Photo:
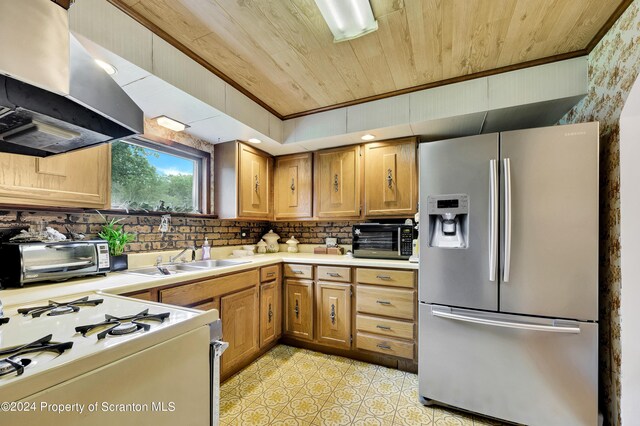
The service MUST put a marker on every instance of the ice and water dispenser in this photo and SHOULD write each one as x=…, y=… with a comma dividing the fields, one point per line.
x=448, y=220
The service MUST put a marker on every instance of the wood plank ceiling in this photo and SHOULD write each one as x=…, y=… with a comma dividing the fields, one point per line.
x=281, y=52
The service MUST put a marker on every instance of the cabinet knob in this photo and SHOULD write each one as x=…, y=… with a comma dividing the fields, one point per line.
x=332, y=314
x=296, y=310
x=257, y=183
x=336, y=183
x=270, y=315
x=293, y=185
x=389, y=178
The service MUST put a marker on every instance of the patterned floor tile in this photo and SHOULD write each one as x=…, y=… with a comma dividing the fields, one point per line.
x=298, y=387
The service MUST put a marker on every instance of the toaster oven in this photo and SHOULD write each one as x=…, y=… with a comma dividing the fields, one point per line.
x=383, y=241
x=25, y=263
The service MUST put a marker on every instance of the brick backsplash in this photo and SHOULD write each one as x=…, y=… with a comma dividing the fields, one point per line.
x=183, y=231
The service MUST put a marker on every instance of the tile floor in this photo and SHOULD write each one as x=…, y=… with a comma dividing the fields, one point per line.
x=291, y=386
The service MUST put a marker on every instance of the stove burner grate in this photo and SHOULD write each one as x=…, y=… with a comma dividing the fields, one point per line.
x=57, y=308
x=4, y=320
x=11, y=359
x=118, y=326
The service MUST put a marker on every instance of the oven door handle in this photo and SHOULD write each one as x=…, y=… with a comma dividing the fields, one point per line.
x=63, y=267
x=64, y=246
x=216, y=348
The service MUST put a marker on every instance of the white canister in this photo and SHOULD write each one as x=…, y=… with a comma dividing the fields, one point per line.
x=293, y=245
x=271, y=238
x=262, y=246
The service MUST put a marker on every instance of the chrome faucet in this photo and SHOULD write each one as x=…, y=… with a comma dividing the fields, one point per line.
x=193, y=254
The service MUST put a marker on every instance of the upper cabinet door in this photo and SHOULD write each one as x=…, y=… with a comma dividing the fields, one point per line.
x=77, y=179
x=337, y=182
x=254, y=182
x=293, y=190
x=390, y=178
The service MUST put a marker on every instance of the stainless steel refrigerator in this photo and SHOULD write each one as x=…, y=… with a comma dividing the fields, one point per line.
x=509, y=274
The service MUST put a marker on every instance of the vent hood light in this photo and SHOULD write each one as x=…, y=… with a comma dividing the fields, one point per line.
x=348, y=19
x=170, y=123
x=109, y=69
x=368, y=137
x=254, y=140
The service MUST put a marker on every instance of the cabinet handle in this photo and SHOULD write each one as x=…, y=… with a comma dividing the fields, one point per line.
x=383, y=346
x=389, y=178
x=334, y=274
x=270, y=274
x=257, y=183
x=383, y=277
x=383, y=327
x=270, y=312
x=297, y=271
x=383, y=302
x=296, y=310
x=336, y=183
x=293, y=185
x=332, y=315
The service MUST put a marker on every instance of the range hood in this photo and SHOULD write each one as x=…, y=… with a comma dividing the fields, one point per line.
x=54, y=98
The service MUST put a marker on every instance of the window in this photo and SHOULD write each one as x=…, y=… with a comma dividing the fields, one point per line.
x=152, y=176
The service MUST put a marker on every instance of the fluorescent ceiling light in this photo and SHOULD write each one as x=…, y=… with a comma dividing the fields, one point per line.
x=368, y=137
x=170, y=123
x=109, y=69
x=255, y=140
x=348, y=19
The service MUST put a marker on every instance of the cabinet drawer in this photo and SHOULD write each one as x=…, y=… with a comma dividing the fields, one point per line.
x=384, y=345
x=385, y=326
x=386, y=277
x=298, y=271
x=141, y=295
x=188, y=295
x=334, y=273
x=269, y=273
x=390, y=302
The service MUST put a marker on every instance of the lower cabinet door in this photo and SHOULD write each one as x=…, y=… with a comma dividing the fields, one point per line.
x=269, y=312
x=239, y=314
x=334, y=314
x=299, y=309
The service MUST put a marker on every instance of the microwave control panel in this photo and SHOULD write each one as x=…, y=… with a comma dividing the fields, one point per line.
x=103, y=256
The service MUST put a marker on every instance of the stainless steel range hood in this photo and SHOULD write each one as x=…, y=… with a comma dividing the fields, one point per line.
x=53, y=97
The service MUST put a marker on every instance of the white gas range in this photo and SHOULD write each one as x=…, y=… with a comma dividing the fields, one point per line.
x=104, y=359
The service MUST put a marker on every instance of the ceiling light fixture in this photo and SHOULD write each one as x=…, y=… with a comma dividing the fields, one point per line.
x=255, y=140
x=170, y=123
x=109, y=69
x=368, y=137
x=348, y=19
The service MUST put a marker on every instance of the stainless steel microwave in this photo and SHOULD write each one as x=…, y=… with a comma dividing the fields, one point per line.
x=25, y=263
x=382, y=241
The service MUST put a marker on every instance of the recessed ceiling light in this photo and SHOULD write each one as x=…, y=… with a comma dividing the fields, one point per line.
x=255, y=140
x=348, y=19
x=368, y=137
x=170, y=123
x=109, y=69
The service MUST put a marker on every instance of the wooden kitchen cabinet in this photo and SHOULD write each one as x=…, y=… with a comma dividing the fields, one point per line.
x=240, y=327
x=337, y=182
x=270, y=313
x=333, y=306
x=390, y=178
x=76, y=179
x=299, y=309
x=293, y=187
x=243, y=179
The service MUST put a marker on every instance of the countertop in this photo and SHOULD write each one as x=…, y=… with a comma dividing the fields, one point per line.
x=122, y=282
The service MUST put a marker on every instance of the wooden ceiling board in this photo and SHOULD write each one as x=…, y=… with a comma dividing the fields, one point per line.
x=282, y=55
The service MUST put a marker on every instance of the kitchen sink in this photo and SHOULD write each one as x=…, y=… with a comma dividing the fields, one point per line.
x=178, y=268
x=173, y=269
x=217, y=263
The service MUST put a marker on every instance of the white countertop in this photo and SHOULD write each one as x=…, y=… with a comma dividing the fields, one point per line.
x=122, y=282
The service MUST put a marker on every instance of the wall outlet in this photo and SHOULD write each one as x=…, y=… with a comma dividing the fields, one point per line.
x=244, y=232
x=165, y=221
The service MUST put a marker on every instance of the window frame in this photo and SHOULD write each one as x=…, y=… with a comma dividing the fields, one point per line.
x=202, y=170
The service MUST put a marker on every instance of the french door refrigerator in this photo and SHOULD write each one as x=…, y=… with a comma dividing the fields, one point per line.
x=509, y=274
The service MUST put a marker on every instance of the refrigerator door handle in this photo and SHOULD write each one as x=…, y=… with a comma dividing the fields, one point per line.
x=507, y=220
x=565, y=328
x=493, y=219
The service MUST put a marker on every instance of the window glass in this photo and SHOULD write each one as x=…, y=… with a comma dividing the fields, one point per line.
x=145, y=177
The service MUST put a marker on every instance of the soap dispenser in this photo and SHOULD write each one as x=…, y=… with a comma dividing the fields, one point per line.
x=206, y=249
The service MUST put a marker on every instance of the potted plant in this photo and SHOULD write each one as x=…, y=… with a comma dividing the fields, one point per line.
x=117, y=239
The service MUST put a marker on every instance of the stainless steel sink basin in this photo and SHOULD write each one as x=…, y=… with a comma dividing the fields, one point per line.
x=178, y=268
x=217, y=263
x=173, y=269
